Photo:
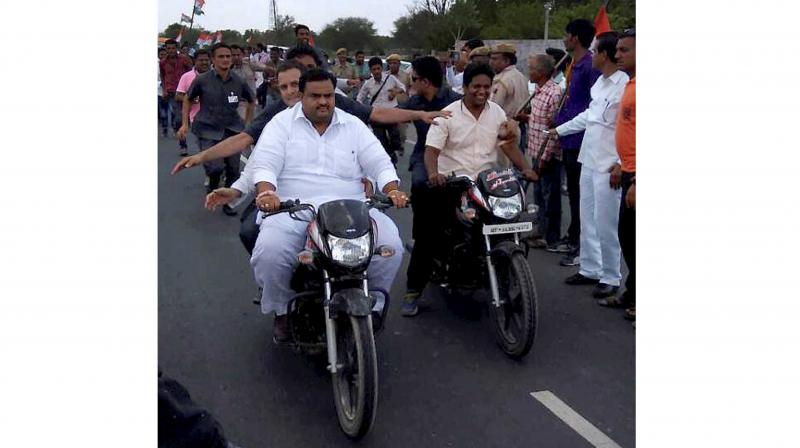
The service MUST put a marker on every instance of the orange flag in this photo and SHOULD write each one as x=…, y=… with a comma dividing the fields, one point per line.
x=601, y=23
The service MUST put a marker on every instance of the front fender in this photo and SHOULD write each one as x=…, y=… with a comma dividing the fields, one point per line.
x=351, y=301
x=505, y=249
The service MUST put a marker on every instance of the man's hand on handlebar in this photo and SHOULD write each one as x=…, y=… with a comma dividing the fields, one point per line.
x=399, y=198
x=268, y=201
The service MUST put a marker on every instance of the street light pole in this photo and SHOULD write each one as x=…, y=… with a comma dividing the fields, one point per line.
x=547, y=7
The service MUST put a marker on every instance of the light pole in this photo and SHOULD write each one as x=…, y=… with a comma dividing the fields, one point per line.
x=548, y=6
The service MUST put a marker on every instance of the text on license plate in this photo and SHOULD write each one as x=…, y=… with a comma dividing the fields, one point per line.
x=495, y=229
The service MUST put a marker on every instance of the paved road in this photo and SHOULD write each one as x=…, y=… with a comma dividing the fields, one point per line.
x=443, y=381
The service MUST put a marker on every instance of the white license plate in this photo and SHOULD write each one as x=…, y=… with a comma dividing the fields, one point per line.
x=516, y=227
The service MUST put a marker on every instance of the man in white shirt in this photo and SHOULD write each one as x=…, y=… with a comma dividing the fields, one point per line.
x=599, y=190
x=465, y=144
x=380, y=90
x=315, y=153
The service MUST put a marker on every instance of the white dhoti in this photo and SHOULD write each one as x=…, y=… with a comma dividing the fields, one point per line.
x=600, y=250
x=281, y=238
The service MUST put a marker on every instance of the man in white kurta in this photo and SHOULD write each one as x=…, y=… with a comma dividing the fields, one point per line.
x=301, y=163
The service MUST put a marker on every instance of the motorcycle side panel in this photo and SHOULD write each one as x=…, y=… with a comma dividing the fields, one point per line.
x=344, y=218
x=351, y=301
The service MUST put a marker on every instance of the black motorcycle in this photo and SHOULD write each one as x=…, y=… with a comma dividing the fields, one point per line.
x=334, y=309
x=485, y=252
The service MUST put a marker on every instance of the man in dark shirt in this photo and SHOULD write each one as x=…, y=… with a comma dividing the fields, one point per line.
x=426, y=80
x=220, y=92
x=171, y=68
x=580, y=79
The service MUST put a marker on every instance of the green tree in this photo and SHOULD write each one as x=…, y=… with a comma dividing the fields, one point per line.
x=523, y=20
x=348, y=32
x=282, y=34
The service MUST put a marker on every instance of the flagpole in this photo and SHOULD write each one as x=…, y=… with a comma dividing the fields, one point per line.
x=191, y=21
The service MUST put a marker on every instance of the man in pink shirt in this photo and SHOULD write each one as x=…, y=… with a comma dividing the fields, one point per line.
x=202, y=62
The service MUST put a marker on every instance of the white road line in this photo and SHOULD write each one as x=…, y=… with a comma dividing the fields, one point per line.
x=574, y=420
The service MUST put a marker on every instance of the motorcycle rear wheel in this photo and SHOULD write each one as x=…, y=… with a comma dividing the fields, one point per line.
x=355, y=384
x=516, y=320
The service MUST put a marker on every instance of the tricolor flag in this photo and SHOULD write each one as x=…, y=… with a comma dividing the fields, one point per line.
x=198, y=11
x=218, y=37
x=185, y=18
x=180, y=36
x=204, y=39
x=199, y=3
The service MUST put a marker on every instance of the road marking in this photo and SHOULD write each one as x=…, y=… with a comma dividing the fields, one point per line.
x=574, y=420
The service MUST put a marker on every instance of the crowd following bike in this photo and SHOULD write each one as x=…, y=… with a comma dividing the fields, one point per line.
x=334, y=310
x=484, y=252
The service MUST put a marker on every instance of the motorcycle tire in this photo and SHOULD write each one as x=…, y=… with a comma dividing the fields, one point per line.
x=519, y=309
x=355, y=384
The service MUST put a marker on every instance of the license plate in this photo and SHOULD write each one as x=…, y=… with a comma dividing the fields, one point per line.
x=516, y=227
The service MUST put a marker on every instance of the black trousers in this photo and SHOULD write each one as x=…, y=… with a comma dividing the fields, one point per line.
x=627, y=237
x=214, y=168
x=547, y=195
x=389, y=136
x=248, y=230
x=573, y=170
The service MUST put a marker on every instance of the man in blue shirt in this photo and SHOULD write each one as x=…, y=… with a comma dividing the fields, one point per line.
x=580, y=79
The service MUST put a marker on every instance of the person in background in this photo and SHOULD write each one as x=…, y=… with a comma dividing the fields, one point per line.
x=544, y=151
x=393, y=62
x=479, y=55
x=171, y=68
x=202, y=64
x=600, y=254
x=558, y=74
x=245, y=69
x=580, y=79
x=626, y=148
x=344, y=70
x=380, y=91
x=509, y=87
x=362, y=68
x=303, y=36
x=471, y=45
x=163, y=104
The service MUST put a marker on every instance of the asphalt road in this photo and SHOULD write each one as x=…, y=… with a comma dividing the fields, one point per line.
x=443, y=381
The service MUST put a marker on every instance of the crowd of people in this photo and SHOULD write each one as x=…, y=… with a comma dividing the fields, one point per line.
x=335, y=129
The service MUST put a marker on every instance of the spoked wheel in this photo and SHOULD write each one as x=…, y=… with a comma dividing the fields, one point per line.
x=355, y=384
x=516, y=320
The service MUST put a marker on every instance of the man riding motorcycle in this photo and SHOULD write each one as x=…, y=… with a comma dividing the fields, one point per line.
x=315, y=153
x=469, y=142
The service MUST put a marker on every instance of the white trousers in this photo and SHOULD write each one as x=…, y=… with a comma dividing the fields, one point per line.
x=600, y=250
x=281, y=238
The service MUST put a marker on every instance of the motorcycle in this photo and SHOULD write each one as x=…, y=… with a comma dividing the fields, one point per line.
x=334, y=311
x=485, y=252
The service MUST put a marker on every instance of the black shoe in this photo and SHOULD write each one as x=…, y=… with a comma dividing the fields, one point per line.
x=571, y=259
x=602, y=291
x=228, y=211
x=280, y=329
x=580, y=279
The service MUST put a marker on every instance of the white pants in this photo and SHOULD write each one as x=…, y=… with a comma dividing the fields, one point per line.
x=281, y=238
x=600, y=250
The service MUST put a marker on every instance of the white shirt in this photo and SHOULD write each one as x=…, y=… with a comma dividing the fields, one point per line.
x=599, y=149
x=457, y=85
x=370, y=88
x=468, y=146
x=301, y=164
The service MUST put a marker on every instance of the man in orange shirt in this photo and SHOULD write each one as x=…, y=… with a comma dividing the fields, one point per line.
x=626, y=148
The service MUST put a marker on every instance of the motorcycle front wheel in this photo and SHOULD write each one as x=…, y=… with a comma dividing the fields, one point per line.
x=355, y=384
x=516, y=320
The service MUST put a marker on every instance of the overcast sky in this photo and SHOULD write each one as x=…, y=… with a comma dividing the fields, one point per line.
x=244, y=14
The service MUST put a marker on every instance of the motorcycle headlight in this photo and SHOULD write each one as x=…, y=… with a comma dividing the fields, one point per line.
x=506, y=208
x=350, y=252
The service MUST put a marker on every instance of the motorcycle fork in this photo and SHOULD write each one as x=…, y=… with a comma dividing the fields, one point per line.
x=330, y=325
x=492, y=274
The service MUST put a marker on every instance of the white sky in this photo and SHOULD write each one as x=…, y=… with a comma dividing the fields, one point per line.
x=244, y=14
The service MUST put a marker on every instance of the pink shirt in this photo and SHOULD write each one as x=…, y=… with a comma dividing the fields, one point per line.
x=183, y=87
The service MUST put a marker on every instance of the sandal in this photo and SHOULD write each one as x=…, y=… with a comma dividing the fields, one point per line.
x=614, y=302
x=630, y=313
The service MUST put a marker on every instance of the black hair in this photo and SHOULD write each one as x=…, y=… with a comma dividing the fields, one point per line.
x=200, y=52
x=472, y=70
x=290, y=65
x=473, y=44
x=260, y=45
x=557, y=54
x=629, y=32
x=234, y=46
x=511, y=57
x=160, y=49
x=359, y=52
x=274, y=48
x=299, y=27
x=607, y=43
x=374, y=61
x=428, y=67
x=185, y=44
x=218, y=46
x=316, y=74
x=583, y=30
x=171, y=42
x=304, y=50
